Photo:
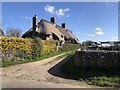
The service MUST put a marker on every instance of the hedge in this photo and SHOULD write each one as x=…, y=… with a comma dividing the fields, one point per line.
x=12, y=46
x=48, y=46
x=13, y=43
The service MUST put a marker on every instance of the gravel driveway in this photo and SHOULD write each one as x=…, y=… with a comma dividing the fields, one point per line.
x=38, y=75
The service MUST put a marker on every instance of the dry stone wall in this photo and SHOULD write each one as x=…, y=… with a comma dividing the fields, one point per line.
x=12, y=55
x=103, y=59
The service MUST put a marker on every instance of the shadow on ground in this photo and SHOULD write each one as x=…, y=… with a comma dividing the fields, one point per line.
x=73, y=72
x=105, y=77
x=57, y=71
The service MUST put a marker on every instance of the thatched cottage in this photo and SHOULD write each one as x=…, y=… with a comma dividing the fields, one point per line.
x=49, y=30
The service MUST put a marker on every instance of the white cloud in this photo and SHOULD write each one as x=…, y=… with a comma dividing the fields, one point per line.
x=67, y=9
x=59, y=12
x=91, y=35
x=114, y=38
x=99, y=31
x=25, y=17
x=49, y=8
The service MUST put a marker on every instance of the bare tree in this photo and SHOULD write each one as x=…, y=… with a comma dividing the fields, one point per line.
x=13, y=32
x=1, y=32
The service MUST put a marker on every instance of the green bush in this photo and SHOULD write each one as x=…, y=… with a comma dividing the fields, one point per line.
x=69, y=47
x=37, y=47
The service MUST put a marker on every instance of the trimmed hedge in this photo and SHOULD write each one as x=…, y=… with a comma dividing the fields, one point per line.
x=13, y=47
x=13, y=43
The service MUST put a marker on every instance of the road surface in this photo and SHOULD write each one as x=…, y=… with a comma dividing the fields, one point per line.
x=40, y=74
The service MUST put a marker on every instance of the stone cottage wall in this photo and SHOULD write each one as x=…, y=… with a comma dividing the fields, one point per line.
x=103, y=59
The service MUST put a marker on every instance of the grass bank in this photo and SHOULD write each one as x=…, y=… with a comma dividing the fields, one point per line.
x=109, y=77
x=47, y=55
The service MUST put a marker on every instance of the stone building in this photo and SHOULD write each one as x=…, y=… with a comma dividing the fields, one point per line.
x=49, y=30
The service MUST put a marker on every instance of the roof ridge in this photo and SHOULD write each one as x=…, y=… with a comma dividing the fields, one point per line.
x=53, y=24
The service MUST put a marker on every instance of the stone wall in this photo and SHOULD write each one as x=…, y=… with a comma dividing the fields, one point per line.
x=12, y=55
x=103, y=59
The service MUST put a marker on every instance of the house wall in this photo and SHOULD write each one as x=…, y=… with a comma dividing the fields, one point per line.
x=102, y=59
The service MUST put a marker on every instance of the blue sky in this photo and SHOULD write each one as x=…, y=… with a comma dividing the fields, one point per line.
x=96, y=21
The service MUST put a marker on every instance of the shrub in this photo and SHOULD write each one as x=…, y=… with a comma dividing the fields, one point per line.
x=37, y=47
x=13, y=43
x=48, y=46
x=13, y=47
x=69, y=47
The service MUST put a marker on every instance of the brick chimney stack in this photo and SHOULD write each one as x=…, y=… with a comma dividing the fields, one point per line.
x=53, y=20
x=64, y=25
x=35, y=23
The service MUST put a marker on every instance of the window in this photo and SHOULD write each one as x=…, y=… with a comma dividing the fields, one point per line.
x=62, y=36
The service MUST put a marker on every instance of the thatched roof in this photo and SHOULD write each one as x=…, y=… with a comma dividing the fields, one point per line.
x=48, y=28
x=73, y=37
x=64, y=32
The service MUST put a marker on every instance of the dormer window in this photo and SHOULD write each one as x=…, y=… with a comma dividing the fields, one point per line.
x=62, y=36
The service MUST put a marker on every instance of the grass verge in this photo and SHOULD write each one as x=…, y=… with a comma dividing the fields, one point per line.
x=47, y=55
x=59, y=57
x=104, y=77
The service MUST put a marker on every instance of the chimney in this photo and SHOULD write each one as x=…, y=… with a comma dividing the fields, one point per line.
x=35, y=23
x=64, y=25
x=53, y=20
